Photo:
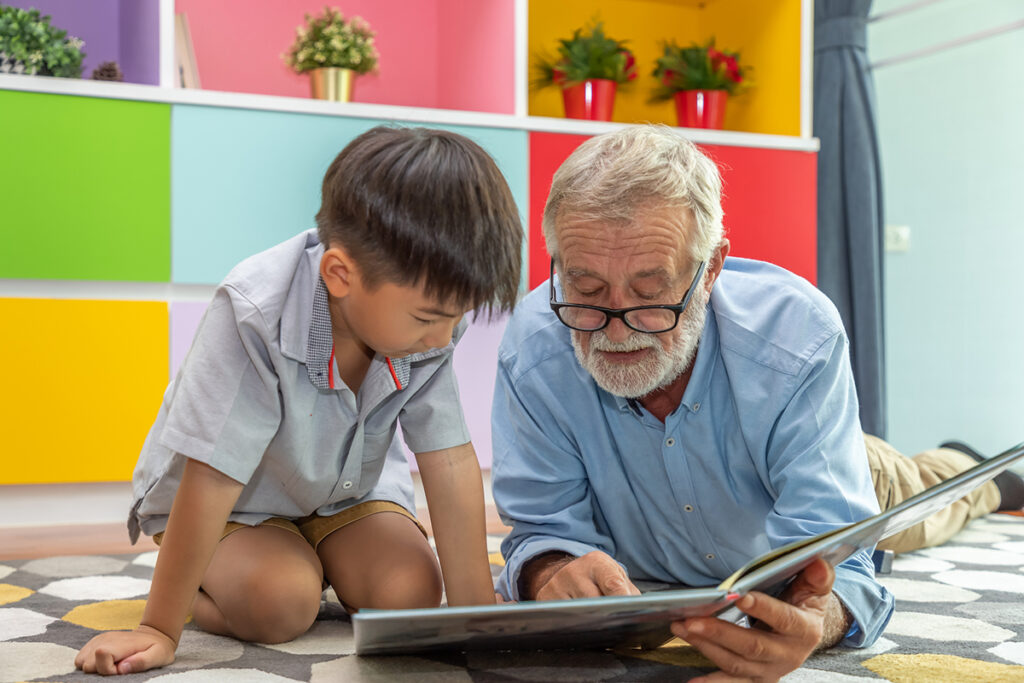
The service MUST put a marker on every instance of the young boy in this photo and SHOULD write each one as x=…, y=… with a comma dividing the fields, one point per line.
x=271, y=469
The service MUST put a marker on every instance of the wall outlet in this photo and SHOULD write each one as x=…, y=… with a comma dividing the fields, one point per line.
x=897, y=238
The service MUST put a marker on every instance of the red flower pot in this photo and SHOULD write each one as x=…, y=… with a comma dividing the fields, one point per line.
x=592, y=99
x=701, y=108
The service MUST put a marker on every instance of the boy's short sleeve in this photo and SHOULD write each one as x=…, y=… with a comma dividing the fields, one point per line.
x=432, y=419
x=225, y=406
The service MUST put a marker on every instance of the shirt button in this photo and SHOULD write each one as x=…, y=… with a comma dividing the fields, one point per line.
x=696, y=406
x=709, y=556
x=347, y=485
x=670, y=441
x=688, y=508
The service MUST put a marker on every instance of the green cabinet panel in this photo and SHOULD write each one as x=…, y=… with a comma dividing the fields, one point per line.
x=84, y=188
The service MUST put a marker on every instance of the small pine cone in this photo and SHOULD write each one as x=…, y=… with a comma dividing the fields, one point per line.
x=107, y=71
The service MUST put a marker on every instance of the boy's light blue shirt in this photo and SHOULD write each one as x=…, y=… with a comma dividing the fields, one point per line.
x=765, y=448
x=253, y=400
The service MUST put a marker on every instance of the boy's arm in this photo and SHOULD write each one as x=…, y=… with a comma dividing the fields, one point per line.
x=455, y=499
x=201, y=507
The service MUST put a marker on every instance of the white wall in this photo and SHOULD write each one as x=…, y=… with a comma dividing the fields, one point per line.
x=950, y=87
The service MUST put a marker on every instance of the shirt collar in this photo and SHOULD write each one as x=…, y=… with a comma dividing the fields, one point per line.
x=320, y=340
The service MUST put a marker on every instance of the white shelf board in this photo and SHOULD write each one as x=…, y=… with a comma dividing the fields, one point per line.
x=93, y=290
x=212, y=98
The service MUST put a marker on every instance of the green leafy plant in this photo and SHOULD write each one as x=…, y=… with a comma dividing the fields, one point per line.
x=30, y=45
x=588, y=54
x=330, y=39
x=698, y=67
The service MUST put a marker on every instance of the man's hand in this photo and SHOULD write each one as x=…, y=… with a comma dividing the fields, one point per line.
x=123, y=652
x=789, y=629
x=564, y=577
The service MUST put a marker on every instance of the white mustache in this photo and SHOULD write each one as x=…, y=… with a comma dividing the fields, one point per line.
x=638, y=342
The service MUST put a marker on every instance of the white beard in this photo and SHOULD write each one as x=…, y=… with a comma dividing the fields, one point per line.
x=657, y=369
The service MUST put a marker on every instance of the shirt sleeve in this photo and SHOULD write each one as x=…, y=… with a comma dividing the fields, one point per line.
x=432, y=419
x=539, y=481
x=818, y=472
x=226, y=408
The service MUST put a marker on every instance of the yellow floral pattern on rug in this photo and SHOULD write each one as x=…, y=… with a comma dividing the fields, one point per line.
x=9, y=593
x=676, y=652
x=922, y=668
x=110, y=615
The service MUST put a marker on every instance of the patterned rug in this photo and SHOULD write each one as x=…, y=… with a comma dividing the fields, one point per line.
x=960, y=617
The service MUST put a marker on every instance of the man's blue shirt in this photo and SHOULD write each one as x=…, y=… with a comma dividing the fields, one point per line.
x=765, y=448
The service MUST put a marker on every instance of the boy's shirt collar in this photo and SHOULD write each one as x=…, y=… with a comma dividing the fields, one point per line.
x=320, y=341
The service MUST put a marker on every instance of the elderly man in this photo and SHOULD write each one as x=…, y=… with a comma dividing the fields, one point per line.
x=664, y=413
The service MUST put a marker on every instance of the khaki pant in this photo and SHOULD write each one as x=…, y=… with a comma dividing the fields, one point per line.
x=315, y=528
x=897, y=477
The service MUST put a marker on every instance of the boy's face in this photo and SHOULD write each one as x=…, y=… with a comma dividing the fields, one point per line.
x=396, y=320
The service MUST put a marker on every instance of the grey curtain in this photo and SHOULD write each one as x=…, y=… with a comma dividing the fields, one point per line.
x=850, y=221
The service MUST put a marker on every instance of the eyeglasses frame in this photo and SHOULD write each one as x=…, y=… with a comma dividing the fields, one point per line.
x=620, y=313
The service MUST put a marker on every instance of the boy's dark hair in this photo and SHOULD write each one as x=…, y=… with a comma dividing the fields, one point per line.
x=429, y=207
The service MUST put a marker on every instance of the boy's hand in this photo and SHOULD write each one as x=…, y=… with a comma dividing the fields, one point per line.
x=123, y=652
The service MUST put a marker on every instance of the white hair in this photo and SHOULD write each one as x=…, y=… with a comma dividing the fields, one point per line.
x=611, y=177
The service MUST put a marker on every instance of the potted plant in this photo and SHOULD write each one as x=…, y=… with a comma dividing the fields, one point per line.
x=333, y=50
x=700, y=79
x=30, y=45
x=588, y=69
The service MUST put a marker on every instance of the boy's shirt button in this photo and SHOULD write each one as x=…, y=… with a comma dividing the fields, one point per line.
x=347, y=485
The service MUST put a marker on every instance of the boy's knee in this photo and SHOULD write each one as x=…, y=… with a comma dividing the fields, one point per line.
x=407, y=586
x=275, y=609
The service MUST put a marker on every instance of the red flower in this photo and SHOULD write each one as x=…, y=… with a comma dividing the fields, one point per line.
x=666, y=78
x=558, y=76
x=630, y=67
x=720, y=61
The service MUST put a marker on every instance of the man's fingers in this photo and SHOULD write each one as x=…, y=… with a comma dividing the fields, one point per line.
x=730, y=647
x=590, y=576
x=612, y=582
x=815, y=579
x=781, y=616
x=609, y=577
x=568, y=584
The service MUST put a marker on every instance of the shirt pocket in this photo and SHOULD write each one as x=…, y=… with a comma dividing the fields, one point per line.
x=375, y=453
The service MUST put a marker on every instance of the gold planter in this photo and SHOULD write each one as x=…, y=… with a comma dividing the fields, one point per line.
x=332, y=83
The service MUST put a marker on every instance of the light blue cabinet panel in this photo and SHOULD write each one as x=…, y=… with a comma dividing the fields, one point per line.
x=243, y=180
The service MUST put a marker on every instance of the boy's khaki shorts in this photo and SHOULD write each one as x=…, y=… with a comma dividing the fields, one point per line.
x=315, y=528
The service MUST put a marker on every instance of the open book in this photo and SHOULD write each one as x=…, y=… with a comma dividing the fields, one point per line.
x=643, y=621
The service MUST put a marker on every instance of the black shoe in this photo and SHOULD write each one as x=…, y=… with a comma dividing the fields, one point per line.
x=1010, y=484
x=963, y=448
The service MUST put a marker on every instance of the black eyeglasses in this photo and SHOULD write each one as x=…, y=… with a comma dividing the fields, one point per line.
x=649, y=319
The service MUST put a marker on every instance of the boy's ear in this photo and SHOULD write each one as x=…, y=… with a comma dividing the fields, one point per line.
x=338, y=271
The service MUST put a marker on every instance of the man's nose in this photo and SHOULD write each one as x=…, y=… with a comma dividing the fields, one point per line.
x=617, y=331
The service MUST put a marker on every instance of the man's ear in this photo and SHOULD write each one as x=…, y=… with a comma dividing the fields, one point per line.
x=717, y=261
x=338, y=271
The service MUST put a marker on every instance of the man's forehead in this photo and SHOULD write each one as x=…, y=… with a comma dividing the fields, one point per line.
x=604, y=270
x=665, y=229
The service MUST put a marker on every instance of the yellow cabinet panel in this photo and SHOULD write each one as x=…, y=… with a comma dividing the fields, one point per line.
x=81, y=387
